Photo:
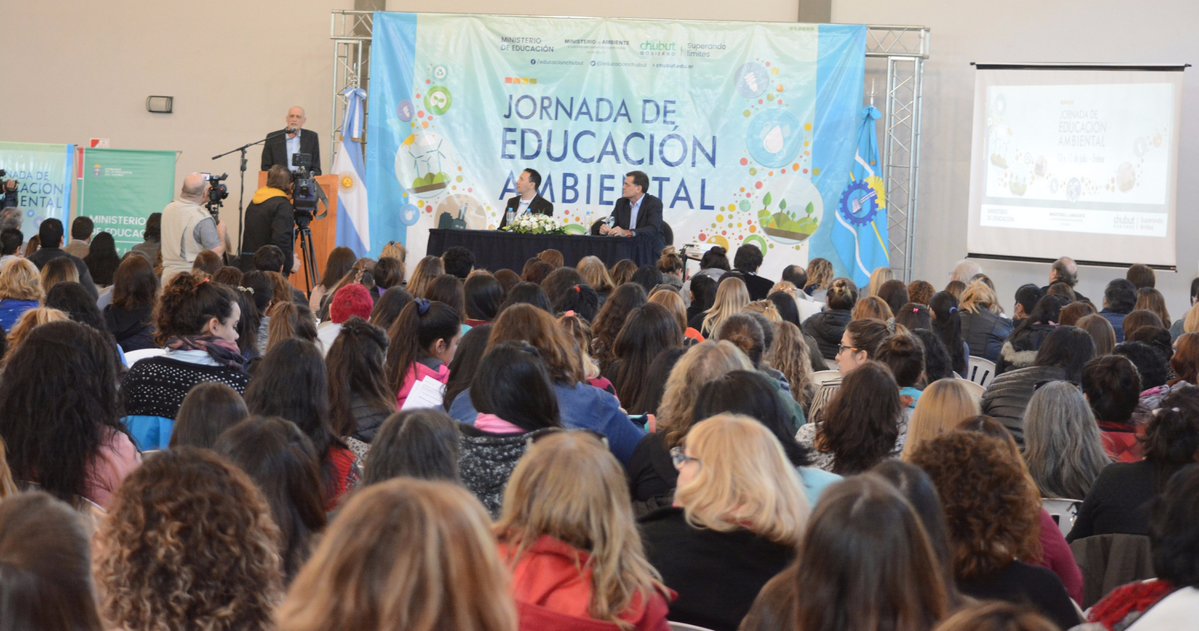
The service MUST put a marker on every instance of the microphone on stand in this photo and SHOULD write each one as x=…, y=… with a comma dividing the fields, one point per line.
x=290, y=130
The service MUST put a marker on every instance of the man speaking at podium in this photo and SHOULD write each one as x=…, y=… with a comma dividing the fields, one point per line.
x=281, y=145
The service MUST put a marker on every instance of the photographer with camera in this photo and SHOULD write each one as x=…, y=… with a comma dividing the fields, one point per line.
x=189, y=227
x=9, y=196
x=270, y=219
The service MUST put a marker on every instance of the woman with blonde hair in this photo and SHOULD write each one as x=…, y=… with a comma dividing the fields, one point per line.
x=595, y=274
x=872, y=308
x=731, y=298
x=29, y=321
x=652, y=476
x=944, y=404
x=404, y=554
x=984, y=329
x=673, y=303
x=877, y=278
x=738, y=516
x=568, y=533
x=426, y=270
x=789, y=355
x=20, y=291
x=394, y=250
x=188, y=543
x=59, y=270
x=820, y=278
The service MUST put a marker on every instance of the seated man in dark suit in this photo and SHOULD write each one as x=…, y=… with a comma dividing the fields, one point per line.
x=636, y=212
x=281, y=145
x=529, y=200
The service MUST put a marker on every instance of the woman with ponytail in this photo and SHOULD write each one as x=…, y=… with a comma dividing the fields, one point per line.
x=947, y=324
x=423, y=341
x=196, y=321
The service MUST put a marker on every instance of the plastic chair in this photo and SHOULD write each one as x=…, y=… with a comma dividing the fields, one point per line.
x=1064, y=512
x=135, y=356
x=980, y=370
x=821, y=376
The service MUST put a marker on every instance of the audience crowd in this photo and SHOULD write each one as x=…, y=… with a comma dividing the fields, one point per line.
x=586, y=447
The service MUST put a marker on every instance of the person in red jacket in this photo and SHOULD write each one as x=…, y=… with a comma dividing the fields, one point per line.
x=567, y=532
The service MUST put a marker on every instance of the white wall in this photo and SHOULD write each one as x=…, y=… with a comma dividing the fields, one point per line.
x=1032, y=31
x=84, y=69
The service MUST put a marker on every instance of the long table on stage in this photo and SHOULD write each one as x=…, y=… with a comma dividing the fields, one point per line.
x=496, y=250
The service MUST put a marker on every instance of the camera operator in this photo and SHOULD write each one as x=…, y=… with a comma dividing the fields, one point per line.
x=270, y=219
x=10, y=198
x=188, y=228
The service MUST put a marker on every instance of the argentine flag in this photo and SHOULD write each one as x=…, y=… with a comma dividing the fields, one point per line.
x=353, y=221
x=860, y=234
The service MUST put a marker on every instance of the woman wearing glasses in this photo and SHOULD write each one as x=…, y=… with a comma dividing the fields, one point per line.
x=737, y=519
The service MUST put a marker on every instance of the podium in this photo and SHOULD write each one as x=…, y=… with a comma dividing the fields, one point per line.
x=324, y=229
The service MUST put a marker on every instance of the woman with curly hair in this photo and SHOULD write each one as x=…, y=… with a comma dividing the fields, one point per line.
x=60, y=414
x=839, y=580
x=20, y=291
x=280, y=459
x=45, y=550
x=197, y=323
x=738, y=515
x=790, y=355
x=404, y=554
x=188, y=544
x=652, y=475
x=568, y=533
x=993, y=511
x=359, y=397
x=861, y=425
x=292, y=382
x=820, y=279
x=611, y=318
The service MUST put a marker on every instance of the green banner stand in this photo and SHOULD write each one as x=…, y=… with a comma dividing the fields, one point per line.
x=121, y=187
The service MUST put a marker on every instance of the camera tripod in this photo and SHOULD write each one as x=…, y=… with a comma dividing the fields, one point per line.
x=307, y=251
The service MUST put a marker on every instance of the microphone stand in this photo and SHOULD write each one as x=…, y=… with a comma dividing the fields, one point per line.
x=241, y=195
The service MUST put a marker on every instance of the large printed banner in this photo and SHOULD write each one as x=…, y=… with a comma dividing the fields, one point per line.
x=121, y=187
x=43, y=173
x=747, y=131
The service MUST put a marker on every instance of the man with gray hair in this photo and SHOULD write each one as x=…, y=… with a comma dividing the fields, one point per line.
x=1065, y=270
x=11, y=217
x=188, y=228
x=965, y=270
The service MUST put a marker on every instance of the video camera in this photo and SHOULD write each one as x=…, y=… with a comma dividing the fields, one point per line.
x=217, y=192
x=305, y=191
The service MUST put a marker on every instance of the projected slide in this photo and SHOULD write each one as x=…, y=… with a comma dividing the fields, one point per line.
x=1063, y=158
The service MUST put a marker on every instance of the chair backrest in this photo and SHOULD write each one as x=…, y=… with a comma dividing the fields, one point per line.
x=976, y=390
x=821, y=376
x=135, y=356
x=980, y=370
x=1064, y=511
x=683, y=626
x=1109, y=561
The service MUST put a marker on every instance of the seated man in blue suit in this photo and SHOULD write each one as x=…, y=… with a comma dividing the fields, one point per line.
x=636, y=212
